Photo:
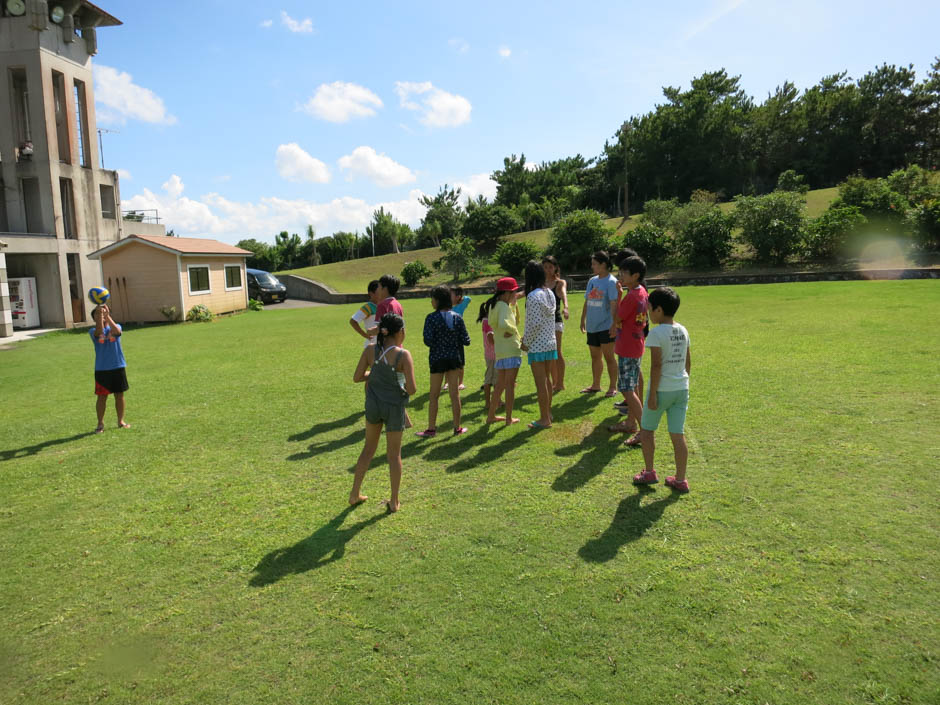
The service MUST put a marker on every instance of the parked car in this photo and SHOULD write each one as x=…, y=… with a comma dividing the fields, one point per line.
x=264, y=287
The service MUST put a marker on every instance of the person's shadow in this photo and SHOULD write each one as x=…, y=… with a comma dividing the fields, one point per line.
x=34, y=449
x=324, y=427
x=323, y=546
x=601, y=448
x=630, y=522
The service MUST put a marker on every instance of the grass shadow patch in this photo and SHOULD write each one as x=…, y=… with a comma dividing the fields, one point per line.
x=15, y=453
x=600, y=450
x=630, y=522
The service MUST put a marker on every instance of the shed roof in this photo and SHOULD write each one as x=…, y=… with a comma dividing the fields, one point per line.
x=178, y=245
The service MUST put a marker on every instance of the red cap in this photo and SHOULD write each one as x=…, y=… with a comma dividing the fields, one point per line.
x=507, y=284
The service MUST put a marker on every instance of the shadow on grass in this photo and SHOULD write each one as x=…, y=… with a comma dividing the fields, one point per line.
x=323, y=546
x=314, y=449
x=326, y=426
x=39, y=447
x=630, y=522
x=601, y=449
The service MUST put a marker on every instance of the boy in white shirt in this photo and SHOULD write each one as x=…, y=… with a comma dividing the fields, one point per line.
x=668, y=392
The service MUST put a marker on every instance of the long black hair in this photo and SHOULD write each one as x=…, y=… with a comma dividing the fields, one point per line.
x=534, y=276
x=488, y=305
x=390, y=324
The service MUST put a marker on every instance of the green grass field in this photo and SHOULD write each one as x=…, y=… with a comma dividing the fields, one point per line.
x=354, y=277
x=207, y=555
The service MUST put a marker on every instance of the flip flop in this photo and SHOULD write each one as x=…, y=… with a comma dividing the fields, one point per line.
x=620, y=428
x=537, y=425
x=610, y=395
x=590, y=390
x=633, y=441
x=461, y=430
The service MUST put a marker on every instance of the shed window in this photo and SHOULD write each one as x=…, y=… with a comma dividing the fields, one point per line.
x=199, y=279
x=233, y=277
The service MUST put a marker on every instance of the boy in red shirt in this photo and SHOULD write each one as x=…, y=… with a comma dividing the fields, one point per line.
x=630, y=344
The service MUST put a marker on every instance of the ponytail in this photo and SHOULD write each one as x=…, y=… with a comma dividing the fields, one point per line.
x=487, y=306
x=390, y=324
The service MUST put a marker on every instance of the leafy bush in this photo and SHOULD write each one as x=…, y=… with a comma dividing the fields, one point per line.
x=686, y=213
x=413, y=272
x=914, y=184
x=576, y=237
x=705, y=241
x=873, y=197
x=651, y=243
x=487, y=224
x=513, y=256
x=789, y=180
x=170, y=313
x=771, y=224
x=199, y=314
x=701, y=195
x=460, y=256
x=924, y=220
x=828, y=235
x=255, y=305
x=660, y=213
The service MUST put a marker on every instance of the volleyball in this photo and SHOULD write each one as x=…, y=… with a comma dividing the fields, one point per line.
x=98, y=295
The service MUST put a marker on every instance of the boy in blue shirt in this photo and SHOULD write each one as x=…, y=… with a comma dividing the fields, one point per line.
x=599, y=321
x=110, y=374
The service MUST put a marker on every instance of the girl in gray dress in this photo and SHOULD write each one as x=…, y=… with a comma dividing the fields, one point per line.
x=391, y=381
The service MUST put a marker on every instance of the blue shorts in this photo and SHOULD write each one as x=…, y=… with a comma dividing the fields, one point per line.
x=509, y=363
x=629, y=377
x=543, y=356
x=673, y=404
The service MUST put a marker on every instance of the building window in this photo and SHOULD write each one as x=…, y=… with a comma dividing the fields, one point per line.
x=20, y=107
x=81, y=125
x=107, y=201
x=233, y=277
x=32, y=205
x=61, y=117
x=68, y=209
x=198, y=279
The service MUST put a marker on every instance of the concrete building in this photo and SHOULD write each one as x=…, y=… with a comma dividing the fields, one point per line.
x=57, y=205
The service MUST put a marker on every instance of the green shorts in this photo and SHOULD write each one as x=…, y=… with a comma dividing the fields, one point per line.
x=673, y=404
x=392, y=415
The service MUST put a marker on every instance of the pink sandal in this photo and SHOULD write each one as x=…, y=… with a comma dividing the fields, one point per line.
x=647, y=477
x=678, y=486
x=633, y=441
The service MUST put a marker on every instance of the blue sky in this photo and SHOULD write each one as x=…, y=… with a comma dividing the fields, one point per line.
x=242, y=119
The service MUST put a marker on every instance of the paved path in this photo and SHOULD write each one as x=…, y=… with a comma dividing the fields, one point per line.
x=293, y=303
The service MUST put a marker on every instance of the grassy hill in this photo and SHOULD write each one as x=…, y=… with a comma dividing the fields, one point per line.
x=354, y=276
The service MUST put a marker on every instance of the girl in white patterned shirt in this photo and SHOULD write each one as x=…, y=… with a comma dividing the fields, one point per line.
x=539, y=338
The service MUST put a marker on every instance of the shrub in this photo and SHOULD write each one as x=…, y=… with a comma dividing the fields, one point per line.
x=789, y=180
x=873, y=197
x=914, y=184
x=255, y=305
x=924, y=220
x=827, y=236
x=512, y=256
x=660, y=213
x=576, y=237
x=459, y=256
x=413, y=272
x=701, y=195
x=686, y=213
x=771, y=224
x=651, y=243
x=199, y=313
x=705, y=241
x=487, y=224
x=170, y=313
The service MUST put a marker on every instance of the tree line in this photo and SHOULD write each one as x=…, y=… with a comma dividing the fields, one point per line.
x=711, y=136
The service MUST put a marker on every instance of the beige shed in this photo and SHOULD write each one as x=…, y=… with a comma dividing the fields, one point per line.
x=147, y=273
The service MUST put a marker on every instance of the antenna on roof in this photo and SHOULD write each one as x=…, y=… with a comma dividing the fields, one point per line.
x=101, y=144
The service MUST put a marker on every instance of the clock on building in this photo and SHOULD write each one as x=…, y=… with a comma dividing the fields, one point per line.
x=57, y=14
x=16, y=7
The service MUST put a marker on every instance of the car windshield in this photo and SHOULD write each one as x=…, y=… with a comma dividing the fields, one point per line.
x=267, y=279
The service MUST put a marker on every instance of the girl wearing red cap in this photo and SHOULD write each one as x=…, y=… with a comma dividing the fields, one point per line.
x=502, y=315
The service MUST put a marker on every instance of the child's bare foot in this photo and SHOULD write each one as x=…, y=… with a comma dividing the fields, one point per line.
x=391, y=508
x=494, y=419
x=123, y=424
x=99, y=428
x=355, y=499
x=510, y=422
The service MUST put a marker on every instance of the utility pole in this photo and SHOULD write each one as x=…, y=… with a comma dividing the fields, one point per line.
x=101, y=144
x=625, y=130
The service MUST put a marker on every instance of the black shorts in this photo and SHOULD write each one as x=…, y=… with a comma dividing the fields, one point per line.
x=602, y=337
x=446, y=365
x=111, y=382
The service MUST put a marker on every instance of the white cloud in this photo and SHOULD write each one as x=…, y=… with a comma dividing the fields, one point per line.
x=305, y=26
x=719, y=10
x=118, y=98
x=340, y=102
x=380, y=168
x=215, y=216
x=477, y=185
x=461, y=46
x=266, y=23
x=438, y=108
x=124, y=174
x=505, y=52
x=294, y=164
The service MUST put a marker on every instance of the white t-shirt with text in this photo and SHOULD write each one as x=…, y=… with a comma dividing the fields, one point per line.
x=673, y=340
